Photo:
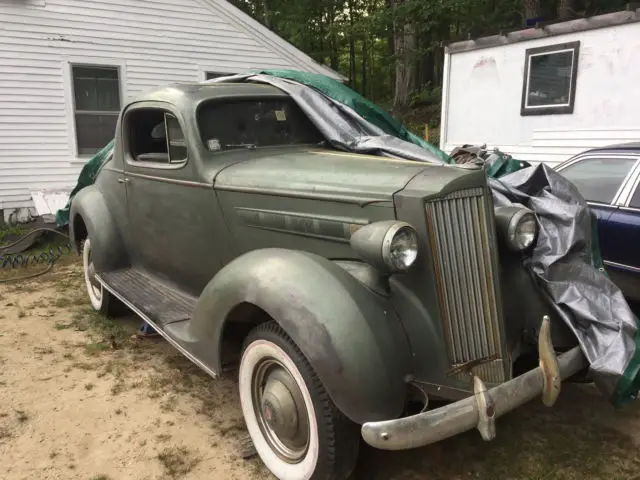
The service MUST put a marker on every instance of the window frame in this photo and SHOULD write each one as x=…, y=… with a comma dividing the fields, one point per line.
x=621, y=197
x=203, y=70
x=633, y=187
x=166, y=108
x=67, y=76
x=249, y=97
x=74, y=110
x=550, y=109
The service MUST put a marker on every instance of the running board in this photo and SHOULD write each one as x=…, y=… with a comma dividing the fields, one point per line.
x=158, y=328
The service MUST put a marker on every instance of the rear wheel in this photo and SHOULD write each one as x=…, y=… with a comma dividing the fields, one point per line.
x=296, y=429
x=101, y=300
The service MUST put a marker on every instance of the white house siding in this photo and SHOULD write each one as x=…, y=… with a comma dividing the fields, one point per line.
x=483, y=89
x=152, y=42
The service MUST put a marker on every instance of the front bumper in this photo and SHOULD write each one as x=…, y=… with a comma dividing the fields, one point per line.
x=481, y=409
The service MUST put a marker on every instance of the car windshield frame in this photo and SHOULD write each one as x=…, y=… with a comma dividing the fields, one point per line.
x=282, y=121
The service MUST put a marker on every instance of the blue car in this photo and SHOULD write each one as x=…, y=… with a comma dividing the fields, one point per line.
x=609, y=178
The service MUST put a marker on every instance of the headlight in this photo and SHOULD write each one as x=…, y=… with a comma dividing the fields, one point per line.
x=390, y=246
x=400, y=247
x=518, y=227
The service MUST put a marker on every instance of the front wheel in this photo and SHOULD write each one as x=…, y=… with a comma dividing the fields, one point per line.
x=296, y=429
x=101, y=300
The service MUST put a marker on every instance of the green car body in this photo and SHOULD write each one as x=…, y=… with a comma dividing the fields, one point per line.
x=208, y=246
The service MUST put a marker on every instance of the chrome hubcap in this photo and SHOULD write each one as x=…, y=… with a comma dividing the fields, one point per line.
x=281, y=411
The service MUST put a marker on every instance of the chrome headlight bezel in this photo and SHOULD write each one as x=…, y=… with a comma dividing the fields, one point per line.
x=514, y=224
x=380, y=245
x=390, y=247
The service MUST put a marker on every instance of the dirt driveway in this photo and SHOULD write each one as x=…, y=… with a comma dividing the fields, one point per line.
x=81, y=399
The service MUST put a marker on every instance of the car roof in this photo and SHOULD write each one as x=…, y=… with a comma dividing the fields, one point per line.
x=195, y=92
x=616, y=147
x=630, y=147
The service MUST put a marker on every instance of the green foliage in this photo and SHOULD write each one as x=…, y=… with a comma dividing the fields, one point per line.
x=357, y=37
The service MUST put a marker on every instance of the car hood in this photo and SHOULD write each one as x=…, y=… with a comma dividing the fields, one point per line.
x=320, y=173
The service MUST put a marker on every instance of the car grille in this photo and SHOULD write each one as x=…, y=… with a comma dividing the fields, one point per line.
x=462, y=237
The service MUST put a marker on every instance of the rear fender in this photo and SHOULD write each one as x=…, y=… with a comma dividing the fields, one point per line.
x=350, y=335
x=89, y=208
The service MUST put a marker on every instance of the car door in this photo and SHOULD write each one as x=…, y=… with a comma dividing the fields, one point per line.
x=172, y=214
x=600, y=179
x=624, y=225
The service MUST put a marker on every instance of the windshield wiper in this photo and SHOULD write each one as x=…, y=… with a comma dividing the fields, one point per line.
x=240, y=145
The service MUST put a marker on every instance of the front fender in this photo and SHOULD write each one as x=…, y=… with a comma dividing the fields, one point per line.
x=89, y=207
x=351, y=337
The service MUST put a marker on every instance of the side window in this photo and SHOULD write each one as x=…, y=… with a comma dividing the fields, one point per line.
x=598, y=179
x=635, y=200
x=155, y=136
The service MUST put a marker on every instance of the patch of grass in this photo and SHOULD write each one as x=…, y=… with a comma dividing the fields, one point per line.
x=95, y=348
x=10, y=233
x=118, y=387
x=84, y=366
x=569, y=441
x=43, y=350
x=158, y=382
x=100, y=477
x=89, y=386
x=21, y=416
x=169, y=404
x=5, y=433
x=177, y=461
x=21, y=313
x=163, y=437
x=62, y=326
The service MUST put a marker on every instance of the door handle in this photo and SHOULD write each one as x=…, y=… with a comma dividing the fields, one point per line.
x=123, y=180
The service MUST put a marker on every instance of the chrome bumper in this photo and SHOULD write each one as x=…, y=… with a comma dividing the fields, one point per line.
x=481, y=409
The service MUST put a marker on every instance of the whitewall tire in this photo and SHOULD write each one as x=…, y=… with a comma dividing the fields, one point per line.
x=101, y=300
x=296, y=429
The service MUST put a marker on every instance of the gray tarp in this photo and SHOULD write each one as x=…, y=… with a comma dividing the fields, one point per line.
x=562, y=261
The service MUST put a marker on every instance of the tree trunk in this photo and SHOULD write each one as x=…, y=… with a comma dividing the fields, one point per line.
x=333, y=44
x=404, y=46
x=565, y=9
x=267, y=17
x=353, y=74
x=391, y=42
x=364, y=67
x=531, y=9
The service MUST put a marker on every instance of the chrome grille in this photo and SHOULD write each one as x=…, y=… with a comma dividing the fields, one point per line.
x=461, y=235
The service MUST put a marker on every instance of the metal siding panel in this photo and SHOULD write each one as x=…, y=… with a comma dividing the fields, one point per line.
x=156, y=43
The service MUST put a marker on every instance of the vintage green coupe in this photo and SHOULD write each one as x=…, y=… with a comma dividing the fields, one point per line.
x=347, y=285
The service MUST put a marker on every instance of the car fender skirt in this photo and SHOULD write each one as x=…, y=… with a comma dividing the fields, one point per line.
x=353, y=341
x=107, y=249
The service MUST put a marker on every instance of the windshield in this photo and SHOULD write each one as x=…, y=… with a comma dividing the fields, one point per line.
x=253, y=123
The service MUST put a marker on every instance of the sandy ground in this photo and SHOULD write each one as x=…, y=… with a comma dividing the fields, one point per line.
x=81, y=399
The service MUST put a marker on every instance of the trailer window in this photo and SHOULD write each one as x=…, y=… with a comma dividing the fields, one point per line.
x=549, y=84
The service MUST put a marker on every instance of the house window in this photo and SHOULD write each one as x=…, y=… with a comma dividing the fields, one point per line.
x=96, y=93
x=212, y=75
x=549, y=85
